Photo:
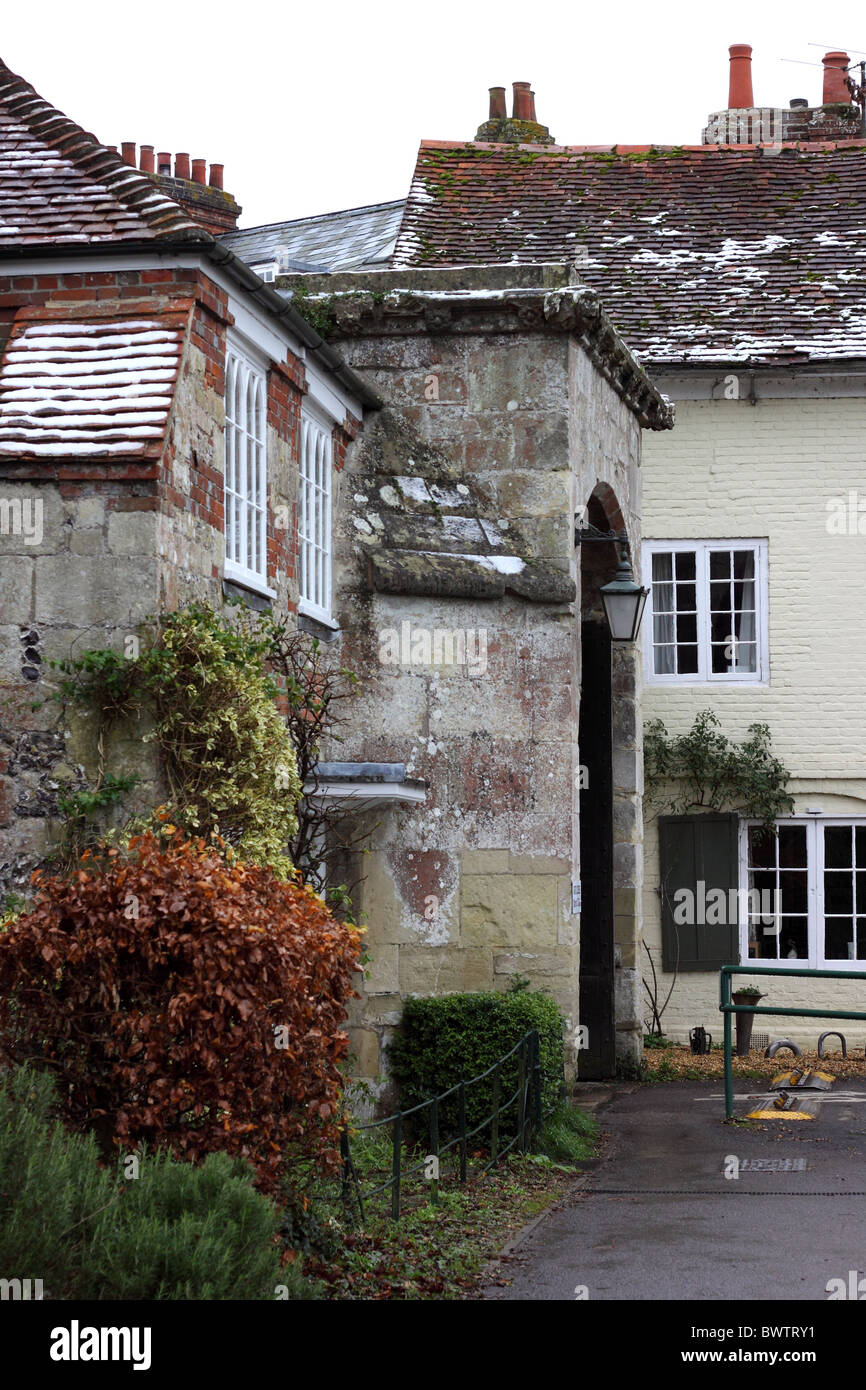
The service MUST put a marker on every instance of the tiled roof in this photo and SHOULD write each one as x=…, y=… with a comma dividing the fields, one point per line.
x=86, y=386
x=702, y=254
x=59, y=186
x=357, y=239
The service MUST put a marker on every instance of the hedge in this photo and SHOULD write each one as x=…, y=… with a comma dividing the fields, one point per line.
x=456, y=1036
x=173, y=1232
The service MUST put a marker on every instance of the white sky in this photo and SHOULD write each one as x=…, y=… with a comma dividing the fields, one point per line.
x=318, y=107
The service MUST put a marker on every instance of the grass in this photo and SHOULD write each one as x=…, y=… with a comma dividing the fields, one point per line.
x=438, y=1249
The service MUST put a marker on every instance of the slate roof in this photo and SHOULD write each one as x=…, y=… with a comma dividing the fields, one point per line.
x=357, y=239
x=59, y=186
x=705, y=254
x=75, y=384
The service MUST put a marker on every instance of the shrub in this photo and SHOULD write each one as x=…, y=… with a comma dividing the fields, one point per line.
x=184, y=1000
x=174, y=1232
x=202, y=678
x=456, y=1036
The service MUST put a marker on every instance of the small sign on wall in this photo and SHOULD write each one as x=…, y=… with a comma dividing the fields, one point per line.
x=575, y=897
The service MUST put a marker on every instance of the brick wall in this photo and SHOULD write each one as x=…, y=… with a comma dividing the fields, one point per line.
x=731, y=468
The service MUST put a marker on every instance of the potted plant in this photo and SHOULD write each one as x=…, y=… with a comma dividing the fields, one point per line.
x=749, y=994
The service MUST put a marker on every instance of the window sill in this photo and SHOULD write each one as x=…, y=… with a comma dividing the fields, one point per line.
x=246, y=579
x=318, y=615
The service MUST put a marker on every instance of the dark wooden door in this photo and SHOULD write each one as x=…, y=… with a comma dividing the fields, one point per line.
x=597, y=1013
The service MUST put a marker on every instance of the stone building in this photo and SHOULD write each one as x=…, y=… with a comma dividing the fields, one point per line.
x=171, y=428
x=735, y=272
x=160, y=409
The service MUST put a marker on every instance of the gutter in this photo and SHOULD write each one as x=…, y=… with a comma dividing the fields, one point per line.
x=237, y=270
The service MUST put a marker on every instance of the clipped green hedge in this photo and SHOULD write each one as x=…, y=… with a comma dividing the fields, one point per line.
x=174, y=1232
x=456, y=1036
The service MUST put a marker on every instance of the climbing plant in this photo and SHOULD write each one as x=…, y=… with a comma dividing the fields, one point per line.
x=704, y=769
x=201, y=677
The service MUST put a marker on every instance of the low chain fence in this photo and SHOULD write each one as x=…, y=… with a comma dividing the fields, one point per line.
x=402, y=1132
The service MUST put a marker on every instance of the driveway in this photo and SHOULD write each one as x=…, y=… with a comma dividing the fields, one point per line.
x=658, y=1219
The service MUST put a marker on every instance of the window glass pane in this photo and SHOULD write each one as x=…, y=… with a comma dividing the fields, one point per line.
x=839, y=938
x=762, y=846
x=685, y=560
x=720, y=564
x=686, y=598
x=744, y=564
x=720, y=596
x=838, y=891
x=837, y=846
x=687, y=660
x=793, y=938
x=792, y=846
x=663, y=598
x=687, y=628
x=794, y=891
x=861, y=938
x=662, y=566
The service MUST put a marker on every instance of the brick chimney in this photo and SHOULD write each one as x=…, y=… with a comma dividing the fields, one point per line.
x=522, y=128
x=740, y=96
x=836, y=79
x=201, y=198
x=744, y=123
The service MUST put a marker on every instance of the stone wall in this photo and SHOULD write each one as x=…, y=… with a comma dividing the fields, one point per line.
x=120, y=540
x=474, y=887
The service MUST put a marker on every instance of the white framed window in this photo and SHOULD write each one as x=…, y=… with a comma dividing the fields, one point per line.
x=266, y=272
x=810, y=881
x=706, y=619
x=246, y=480
x=314, y=526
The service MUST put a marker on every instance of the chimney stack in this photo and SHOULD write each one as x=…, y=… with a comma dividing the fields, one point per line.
x=835, y=79
x=522, y=107
x=146, y=159
x=163, y=163
x=216, y=175
x=181, y=166
x=497, y=104
x=199, y=167
x=127, y=152
x=740, y=96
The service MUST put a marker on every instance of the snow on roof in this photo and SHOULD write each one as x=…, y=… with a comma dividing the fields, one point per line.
x=91, y=387
x=705, y=254
x=59, y=185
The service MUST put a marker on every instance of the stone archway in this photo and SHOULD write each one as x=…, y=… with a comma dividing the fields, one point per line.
x=609, y=739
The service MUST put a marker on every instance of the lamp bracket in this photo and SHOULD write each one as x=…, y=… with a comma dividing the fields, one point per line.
x=588, y=532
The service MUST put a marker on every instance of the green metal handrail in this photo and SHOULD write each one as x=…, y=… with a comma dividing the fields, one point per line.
x=728, y=1008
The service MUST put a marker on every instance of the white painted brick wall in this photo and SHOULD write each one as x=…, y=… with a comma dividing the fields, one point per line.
x=730, y=468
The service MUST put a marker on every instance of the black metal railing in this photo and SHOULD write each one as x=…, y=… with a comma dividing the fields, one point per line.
x=526, y=1100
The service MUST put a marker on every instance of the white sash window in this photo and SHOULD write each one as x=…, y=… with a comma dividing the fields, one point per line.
x=246, y=483
x=315, y=517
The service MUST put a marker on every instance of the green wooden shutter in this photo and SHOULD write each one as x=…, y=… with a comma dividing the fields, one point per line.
x=695, y=849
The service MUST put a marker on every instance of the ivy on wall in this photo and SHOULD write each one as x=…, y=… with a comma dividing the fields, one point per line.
x=705, y=770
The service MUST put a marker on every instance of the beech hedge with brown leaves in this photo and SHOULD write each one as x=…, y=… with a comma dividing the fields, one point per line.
x=186, y=1000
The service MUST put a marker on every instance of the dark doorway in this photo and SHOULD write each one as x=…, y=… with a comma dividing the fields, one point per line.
x=597, y=1013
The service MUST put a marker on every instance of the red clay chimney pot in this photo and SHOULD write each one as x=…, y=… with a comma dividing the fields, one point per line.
x=181, y=166
x=216, y=175
x=532, y=115
x=740, y=86
x=497, y=104
x=128, y=152
x=163, y=163
x=522, y=101
x=835, y=84
x=199, y=171
x=146, y=159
